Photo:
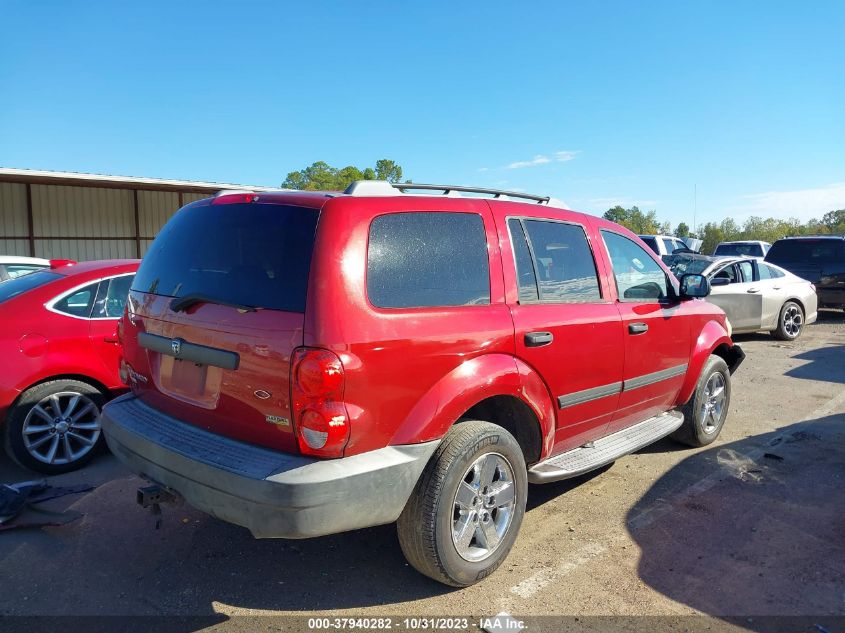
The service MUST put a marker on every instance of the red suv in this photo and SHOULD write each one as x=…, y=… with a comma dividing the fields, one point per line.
x=306, y=363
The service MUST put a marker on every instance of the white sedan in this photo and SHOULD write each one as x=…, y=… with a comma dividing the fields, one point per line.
x=755, y=295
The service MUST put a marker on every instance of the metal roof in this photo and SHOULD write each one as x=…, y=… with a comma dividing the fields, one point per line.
x=11, y=174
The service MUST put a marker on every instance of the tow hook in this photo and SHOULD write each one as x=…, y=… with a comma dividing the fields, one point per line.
x=152, y=497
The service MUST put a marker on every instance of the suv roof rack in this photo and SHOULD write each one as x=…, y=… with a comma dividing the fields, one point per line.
x=384, y=188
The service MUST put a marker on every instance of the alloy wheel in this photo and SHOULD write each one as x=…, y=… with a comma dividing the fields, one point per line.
x=61, y=428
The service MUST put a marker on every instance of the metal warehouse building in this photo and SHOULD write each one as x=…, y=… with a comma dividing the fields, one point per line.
x=62, y=215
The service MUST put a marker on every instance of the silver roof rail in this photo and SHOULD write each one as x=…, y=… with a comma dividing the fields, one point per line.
x=384, y=188
x=451, y=189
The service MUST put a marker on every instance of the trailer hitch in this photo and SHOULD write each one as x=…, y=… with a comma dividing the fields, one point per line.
x=152, y=497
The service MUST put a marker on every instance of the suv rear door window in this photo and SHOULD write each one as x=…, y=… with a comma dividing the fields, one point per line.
x=562, y=262
x=638, y=276
x=427, y=259
x=808, y=251
x=247, y=254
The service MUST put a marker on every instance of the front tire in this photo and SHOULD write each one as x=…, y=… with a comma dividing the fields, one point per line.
x=53, y=427
x=790, y=322
x=465, y=513
x=705, y=413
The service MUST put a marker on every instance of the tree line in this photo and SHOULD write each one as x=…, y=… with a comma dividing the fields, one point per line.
x=321, y=176
x=728, y=230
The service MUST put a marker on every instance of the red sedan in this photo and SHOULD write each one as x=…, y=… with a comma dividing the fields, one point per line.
x=60, y=356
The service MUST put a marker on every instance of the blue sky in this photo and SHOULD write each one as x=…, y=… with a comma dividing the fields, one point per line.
x=596, y=103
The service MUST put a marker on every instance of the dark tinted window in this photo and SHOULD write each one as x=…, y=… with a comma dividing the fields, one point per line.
x=651, y=242
x=111, y=298
x=526, y=276
x=739, y=250
x=79, y=302
x=19, y=285
x=638, y=276
x=563, y=261
x=427, y=259
x=823, y=251
x=248, y=254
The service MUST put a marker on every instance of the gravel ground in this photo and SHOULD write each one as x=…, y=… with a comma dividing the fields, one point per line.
x=751, y=526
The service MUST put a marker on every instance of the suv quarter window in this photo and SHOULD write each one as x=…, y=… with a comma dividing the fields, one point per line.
x=554, y=261
x=428, y=259
x=638, y=277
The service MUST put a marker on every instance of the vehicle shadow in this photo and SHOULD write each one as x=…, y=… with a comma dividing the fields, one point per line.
x=753, y=527
x=825, y=363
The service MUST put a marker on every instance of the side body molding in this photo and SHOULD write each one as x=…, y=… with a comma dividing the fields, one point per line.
x=469, y=384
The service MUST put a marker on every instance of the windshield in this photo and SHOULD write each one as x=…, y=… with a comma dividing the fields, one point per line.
x=684, y=264
x=255, y=255
x=19, y=285
x=739, y=250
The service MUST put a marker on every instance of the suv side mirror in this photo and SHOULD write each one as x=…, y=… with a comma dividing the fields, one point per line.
x=694, y=286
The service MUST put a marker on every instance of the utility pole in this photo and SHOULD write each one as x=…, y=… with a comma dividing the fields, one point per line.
x=694, y=208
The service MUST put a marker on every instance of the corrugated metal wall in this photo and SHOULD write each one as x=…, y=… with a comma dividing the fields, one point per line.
x=13, y=219
x=82, y=222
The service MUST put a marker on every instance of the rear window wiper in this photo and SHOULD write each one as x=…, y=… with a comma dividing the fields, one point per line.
x=180, y=304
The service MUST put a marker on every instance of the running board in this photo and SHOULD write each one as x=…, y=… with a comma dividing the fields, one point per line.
x=605, y=450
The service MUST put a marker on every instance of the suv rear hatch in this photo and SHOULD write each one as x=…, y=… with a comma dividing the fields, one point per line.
x=214, y=313
x=808, y=258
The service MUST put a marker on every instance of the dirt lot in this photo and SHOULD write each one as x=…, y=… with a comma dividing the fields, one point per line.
x=751, y=526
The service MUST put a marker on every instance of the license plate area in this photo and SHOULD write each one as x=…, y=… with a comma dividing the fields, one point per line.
x=188, y=381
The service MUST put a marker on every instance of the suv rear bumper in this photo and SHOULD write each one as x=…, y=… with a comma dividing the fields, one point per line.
x=273, y=494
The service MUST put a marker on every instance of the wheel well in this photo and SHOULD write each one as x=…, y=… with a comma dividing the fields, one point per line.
x=86, y=379
x=730, y=355
x=516, y=417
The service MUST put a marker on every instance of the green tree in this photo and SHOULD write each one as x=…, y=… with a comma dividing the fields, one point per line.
x=321, y=176
x=634, y=219
x=682, y=230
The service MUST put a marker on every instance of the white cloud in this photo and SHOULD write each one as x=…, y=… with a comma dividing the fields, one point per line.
x=541, y=159
x=803, y=204
x=537, y=160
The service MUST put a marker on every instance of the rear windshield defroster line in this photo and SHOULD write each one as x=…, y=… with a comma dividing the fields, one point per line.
x=240, y=254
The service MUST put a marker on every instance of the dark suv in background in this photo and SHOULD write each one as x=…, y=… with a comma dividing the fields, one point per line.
x=818, y=259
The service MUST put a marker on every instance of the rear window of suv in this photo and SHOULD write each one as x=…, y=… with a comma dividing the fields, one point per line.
x=248, y=254
x=739, y=250
x=807, y=251
x=427, y=259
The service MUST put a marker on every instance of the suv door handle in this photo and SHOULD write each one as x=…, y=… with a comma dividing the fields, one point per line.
x=753, y=290
x=538, y=339
x=637, y=328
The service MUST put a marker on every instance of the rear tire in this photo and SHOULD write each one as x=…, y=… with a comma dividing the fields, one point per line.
x=53, y=427
x=705, y=413
x=790, y=322
x=465, y=513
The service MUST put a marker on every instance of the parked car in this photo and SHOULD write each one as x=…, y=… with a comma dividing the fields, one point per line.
x=664, y=244
x=819, y=259
x=12, y=266
x=60, y=360
x=745, y=248
x=319, y=363
x=755, y=295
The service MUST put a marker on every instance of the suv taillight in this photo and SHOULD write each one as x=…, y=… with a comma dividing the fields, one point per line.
x=321, y=422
